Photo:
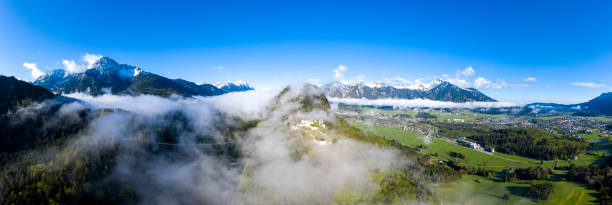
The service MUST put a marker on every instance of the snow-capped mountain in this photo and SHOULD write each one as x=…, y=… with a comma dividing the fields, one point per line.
x=236, y=86
x=106, y=75
x=107, y=67
x=418, y=85
x=436, y=90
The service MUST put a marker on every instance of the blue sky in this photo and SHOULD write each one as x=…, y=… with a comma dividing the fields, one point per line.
x=565, y=45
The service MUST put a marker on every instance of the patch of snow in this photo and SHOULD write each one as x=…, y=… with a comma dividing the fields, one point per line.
x=418, y=85
x=137, y=71
x=238, y=83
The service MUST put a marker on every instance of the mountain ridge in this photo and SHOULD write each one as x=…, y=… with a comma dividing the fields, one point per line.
x=436, y=90
x=234, y=86
x=108, y=76
x=600, y=105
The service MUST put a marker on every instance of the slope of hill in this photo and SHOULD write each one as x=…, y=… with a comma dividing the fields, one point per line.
x=437, y=90
x=200, y=89
x=599, y=105
x=16, y=92
x=108, y=76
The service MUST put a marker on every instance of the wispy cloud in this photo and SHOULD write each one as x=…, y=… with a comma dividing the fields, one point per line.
x=72, y=66
x=462, y=79
x=530, y=79
x=218, y=68
x=467, y=72
x=91, y=59
x=588, y=84
x=339, y=72
x=481, y=82
x=36, y=73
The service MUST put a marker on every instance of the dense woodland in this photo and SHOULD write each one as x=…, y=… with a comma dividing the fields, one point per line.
x=15, y=93
x=20, y=133
x=526, y=142
x=56, y=171
x=480, y=171
x=540, y=191
x=532, y=173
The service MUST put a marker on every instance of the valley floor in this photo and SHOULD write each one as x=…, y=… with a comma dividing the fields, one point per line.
x=472, y=189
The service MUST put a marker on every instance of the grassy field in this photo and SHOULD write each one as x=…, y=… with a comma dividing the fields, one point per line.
x=394, y=133
x=490, y=191
x=440, y=147
x=387, y=111
x=594, y=136
x=516, y=157
x=464, y=114
x=602, y=147
x=468, y=191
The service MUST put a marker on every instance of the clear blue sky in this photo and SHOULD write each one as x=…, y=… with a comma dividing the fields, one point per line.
x=565, y=45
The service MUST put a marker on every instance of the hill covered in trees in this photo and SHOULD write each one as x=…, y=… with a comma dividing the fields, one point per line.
x=15, y=93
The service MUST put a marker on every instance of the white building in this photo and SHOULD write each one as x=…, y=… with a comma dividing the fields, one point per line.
x=312, y=124
x=459, y=120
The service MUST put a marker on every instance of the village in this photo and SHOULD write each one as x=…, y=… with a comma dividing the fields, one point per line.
x=569, y=126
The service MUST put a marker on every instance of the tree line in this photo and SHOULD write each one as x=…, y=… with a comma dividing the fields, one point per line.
x=528, y=142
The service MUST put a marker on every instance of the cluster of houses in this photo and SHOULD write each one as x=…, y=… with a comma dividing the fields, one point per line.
x=474, y=145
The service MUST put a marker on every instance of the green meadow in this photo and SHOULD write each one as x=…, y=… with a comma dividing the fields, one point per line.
x=471, y=189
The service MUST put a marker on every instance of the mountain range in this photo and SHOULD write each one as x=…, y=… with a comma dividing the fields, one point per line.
x=236, y=86
x=437, y=90
x=108, y=76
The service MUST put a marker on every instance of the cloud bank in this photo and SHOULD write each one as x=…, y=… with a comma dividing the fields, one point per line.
x=339, y=72
x=278, y=165
x=405, y=103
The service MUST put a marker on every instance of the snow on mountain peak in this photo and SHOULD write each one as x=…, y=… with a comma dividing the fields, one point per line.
x=137, y=71
x=416, y=85
x=361, y=83
x=106, y=66
x=238, y=83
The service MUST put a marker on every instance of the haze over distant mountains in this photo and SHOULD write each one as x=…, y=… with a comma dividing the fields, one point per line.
x=108, y=76
x=438, y=90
